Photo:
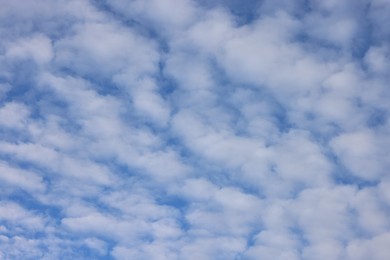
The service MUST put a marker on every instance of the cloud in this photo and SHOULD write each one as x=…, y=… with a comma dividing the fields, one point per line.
x=160, y=14
x=18, y=216
x=16, y=177
x=37, y=48
x=364, y=156
x=13, y=115
x=373, y=248
x=194, y=129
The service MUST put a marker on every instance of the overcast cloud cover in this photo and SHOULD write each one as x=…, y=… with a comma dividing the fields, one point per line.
x=195, y=129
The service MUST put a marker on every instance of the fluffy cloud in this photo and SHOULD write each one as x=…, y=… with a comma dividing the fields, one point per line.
x=194, y=129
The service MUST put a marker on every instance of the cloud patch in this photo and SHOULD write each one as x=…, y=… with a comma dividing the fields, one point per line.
x=194, y=129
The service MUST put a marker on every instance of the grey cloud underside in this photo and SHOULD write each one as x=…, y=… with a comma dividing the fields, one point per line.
x=162, y=129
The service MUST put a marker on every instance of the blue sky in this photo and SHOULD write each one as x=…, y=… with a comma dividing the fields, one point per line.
x=191, y=129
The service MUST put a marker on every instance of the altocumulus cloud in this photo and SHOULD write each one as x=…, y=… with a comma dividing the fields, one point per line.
x=191, y=129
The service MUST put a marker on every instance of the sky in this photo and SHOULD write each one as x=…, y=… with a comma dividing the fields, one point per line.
x=195, y=129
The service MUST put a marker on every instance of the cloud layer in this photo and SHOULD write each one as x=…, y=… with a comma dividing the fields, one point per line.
x=162, y=129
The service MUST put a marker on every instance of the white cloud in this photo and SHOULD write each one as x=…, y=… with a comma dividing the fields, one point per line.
x=105, y=49
x=362, y=154
x=371, y=218
x=323, y=215
x=151, y=251
x=96, y=244
x=167, y=15
x=240, y=212
x=38, y=48
x=375, y=248
x=213, y=248
x=299, y=159
x=148, y=102
x=20, y=178
x=18, y=216
x=59, y=163
x=377, y=59
x=193, y=130
x=14, y=115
